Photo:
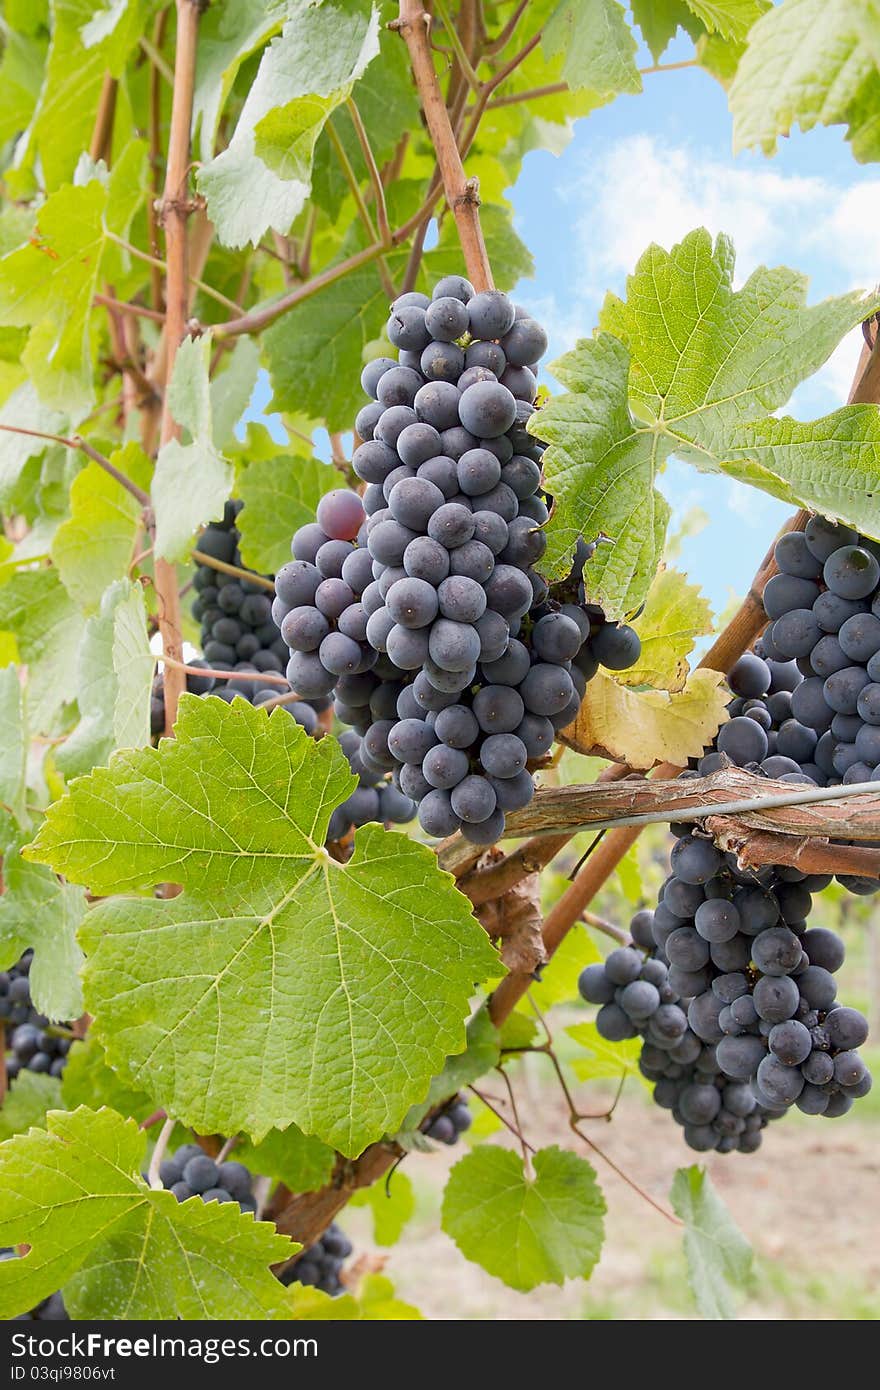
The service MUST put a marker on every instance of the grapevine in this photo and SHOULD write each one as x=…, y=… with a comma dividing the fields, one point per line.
x=346, y=652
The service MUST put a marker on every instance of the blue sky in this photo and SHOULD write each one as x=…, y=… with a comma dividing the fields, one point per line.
x=650, y=168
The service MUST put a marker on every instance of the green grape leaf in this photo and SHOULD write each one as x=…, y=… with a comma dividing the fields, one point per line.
x=719, y=1258
x=808, y=63
x=693, y=367
x=373, y=1302
x=262, y=179
x=115, y=1247
x=26, y=1102
x=676, y=613
x=79, y=58
x=315, y=350
x=525, y=1228
x=365, y=968
x=596, y=44
x=192, y=481
x=605, y=1059
x=300, y=1161
x=36, y=607
x=37, y=911
x=95, y=545
x=600, y=469
x=24, y=410
x=732, y=19
x=88, y=1079
x=114, y=678
x=644, y=727
x=14, y=745
x=392, y=1205
x=48, y=283
x=279, y=495
x=660, y=20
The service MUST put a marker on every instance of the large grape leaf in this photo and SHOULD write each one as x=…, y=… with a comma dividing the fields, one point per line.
x=695, y=367
x=36, y=607
x=644, y=727
x=525, y=1228
x=363, y=970
x=809, y=63
x=279, y=495
x=262, y=178
x=95, y=545
x=117, y=1248
x=676, y=613
x=49, y=281
x=14, y=745
x=719, y=1258
x=25, y=1104
x=38, y=911
x=192, y=480
x=597, y=46
x=114, y=677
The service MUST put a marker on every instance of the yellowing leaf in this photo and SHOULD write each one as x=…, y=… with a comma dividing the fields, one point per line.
x=651, y=726
x=675, y=613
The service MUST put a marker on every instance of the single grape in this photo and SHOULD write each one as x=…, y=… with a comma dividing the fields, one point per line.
x=473, y=799
x=503, y=755
x=851, y=572
x=461, y=599
x=490, y=314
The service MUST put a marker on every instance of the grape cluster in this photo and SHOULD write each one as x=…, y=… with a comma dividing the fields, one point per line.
x=49, y=1309
x=33, y=1046
x=731, y=990
x=419, y=605
x=238, y=629
x=320, y=1266
x=824, y=607
x=448, y=1125
x=374, y=798
x=190, y=1172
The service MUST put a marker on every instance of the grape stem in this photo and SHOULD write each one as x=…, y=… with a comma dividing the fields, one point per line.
x=211, y=563
x=462, y=193
x=269, y=677
x=158, y=1154
x=174, y=212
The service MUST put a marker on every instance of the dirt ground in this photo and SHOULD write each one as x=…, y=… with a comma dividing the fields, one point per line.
x=809, y=1202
